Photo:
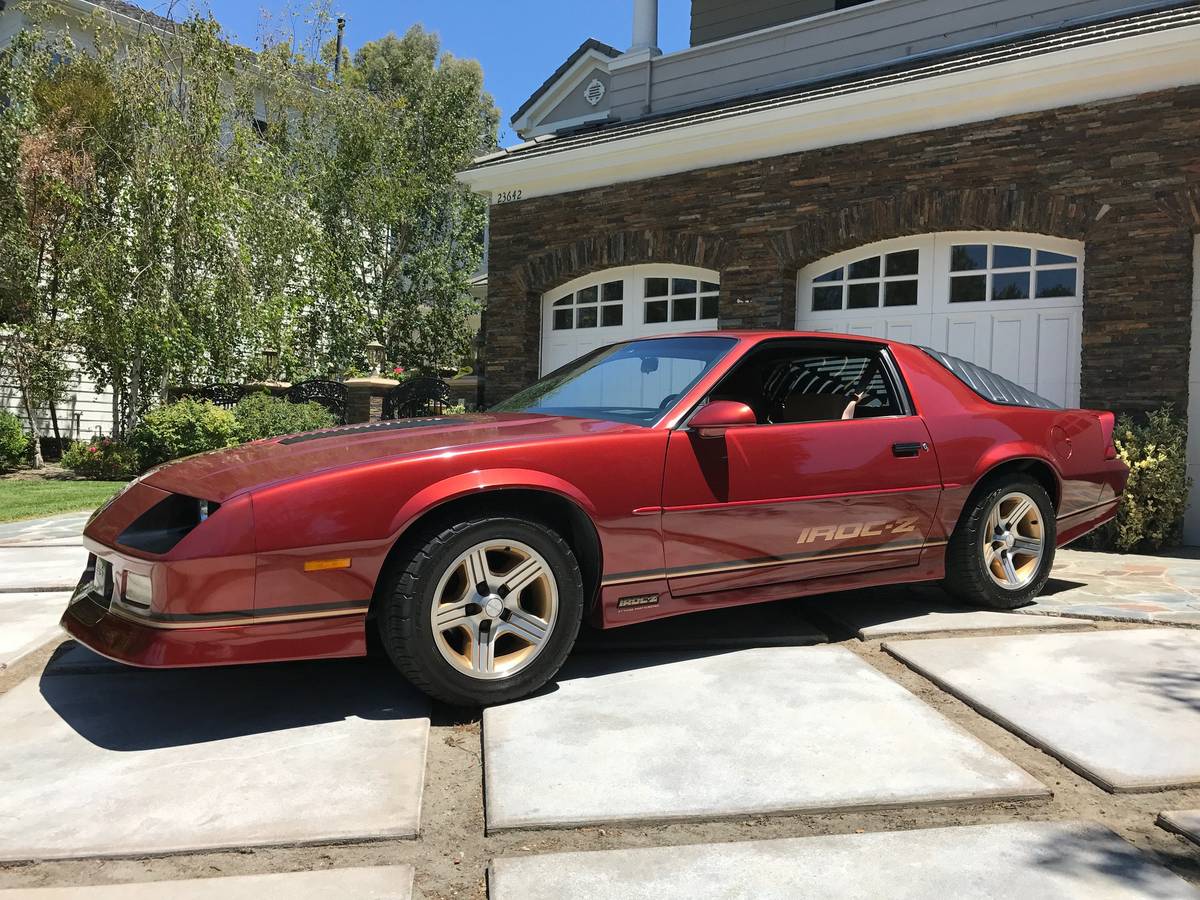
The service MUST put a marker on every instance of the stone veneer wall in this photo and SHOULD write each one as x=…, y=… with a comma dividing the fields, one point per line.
x=1122, y=175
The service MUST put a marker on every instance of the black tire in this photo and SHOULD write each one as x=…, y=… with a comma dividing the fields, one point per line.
x=406, y=601
x=967, y=574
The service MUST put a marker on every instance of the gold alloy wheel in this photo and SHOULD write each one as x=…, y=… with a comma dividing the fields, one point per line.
x=494, y=609
x=1013, y=541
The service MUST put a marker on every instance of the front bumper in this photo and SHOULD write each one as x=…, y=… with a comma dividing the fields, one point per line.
x=107, y=628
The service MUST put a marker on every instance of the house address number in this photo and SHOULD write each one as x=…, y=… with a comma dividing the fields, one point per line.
x=508, y=196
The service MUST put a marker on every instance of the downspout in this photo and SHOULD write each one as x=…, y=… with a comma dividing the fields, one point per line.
x=645, y=39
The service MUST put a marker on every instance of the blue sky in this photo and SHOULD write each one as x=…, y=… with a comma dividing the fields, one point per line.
x=518, y=42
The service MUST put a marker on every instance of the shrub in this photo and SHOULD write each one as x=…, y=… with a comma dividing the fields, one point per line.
x=181, y=429
x=263, y=416
x=1151, y=513
x=101, y=459
x=15, y=444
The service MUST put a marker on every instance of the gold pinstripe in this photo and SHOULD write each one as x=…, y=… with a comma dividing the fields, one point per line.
x=737, y=567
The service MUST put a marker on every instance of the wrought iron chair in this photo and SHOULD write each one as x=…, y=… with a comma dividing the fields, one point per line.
x=223, y=395
x=330, y=394
x=421, y=396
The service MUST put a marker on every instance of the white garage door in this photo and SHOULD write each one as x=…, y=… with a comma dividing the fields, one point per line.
x=619, y=304
x=1010, y=302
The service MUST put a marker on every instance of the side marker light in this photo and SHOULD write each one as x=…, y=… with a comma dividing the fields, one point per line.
x=320, y=565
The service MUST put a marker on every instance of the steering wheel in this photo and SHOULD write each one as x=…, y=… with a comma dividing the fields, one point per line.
x=668, y=400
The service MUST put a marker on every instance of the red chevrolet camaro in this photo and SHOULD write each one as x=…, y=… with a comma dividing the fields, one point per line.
x=647, y=479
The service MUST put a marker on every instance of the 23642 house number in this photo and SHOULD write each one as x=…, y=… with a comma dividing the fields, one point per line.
x=508, y=196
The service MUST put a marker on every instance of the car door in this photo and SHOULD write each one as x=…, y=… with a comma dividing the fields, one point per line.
x=838, y=476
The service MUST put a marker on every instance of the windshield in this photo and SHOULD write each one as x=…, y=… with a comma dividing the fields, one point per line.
x=635, y=382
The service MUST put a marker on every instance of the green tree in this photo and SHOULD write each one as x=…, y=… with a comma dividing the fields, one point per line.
x=165, y=286
x=44, y=176
x=404, y=235
x=156, y=220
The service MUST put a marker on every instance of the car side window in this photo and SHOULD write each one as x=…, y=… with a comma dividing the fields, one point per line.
x=823, y=383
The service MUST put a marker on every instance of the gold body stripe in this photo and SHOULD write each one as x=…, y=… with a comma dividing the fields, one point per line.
x=769, y=563
x=238, y=620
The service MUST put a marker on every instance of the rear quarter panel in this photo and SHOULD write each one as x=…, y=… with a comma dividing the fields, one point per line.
x=972, y=437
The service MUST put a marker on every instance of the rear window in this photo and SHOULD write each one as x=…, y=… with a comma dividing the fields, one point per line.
x=989, y=385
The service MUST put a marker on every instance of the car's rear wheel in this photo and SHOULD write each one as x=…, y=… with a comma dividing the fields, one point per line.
x=483, y=611
x=1002, y=550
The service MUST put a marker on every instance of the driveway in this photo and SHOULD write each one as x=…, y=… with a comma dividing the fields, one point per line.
x=853, y=745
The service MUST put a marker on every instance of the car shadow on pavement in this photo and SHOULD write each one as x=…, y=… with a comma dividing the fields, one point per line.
x=1060, y=585
x=776, y=624
x=123, y=710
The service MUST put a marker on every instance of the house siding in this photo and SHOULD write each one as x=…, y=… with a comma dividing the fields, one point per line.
x=85, y=411
x=1119, y=175
x=855, y=39
x=713, y=20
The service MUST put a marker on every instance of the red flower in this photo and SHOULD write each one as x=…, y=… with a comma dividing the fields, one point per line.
x=399, y=370
x=93, y=449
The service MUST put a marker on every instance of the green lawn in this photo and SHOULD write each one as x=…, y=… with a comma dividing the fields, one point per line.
x=21, y=499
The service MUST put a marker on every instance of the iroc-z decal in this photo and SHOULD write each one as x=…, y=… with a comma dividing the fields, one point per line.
x=856, y=529
x=640, y=600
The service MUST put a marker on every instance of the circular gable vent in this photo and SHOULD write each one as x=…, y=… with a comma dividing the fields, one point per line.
x=594, y=92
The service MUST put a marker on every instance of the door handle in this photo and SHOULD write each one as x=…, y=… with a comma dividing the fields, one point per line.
x=909, y=449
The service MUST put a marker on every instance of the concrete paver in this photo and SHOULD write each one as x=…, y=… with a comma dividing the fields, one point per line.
x=889, y=612
x=754, y=731
x=1182, y=821
x=25, y=569
x=1081, y=861
x=167, y=761
x=367, y=883
x=27, y=621
x=759, y=625
x=1120, y=707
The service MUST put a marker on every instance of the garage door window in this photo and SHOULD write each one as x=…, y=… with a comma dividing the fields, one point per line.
x=1008, y=301
x=595, y=306
x=886, y=279
x=679, y=300
x=983, y=272
x=620, y=304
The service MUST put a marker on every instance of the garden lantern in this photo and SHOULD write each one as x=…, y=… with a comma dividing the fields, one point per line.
x=375, y=356
x=270, y=359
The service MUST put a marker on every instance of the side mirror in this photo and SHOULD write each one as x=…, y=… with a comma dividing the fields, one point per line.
x=714, y=419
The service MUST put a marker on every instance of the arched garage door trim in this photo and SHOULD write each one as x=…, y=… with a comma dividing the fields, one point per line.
x=622, y=303
x=1009, y=301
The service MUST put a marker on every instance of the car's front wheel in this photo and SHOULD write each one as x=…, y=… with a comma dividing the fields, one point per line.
x=1002, y=550
x=484, y=611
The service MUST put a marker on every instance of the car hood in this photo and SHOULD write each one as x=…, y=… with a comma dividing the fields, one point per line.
x=221, y=474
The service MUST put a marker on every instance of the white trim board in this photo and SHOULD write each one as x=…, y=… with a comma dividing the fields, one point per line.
x=1191, y=518
x=1121, y=67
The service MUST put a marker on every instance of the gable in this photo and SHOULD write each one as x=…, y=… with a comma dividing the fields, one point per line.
x=565, y=99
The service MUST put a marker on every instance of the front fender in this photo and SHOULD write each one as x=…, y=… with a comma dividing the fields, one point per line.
x=482, y=480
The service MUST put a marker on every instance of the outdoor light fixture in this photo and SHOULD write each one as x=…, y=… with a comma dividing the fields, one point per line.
x=270, y=358
x=375, y=356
